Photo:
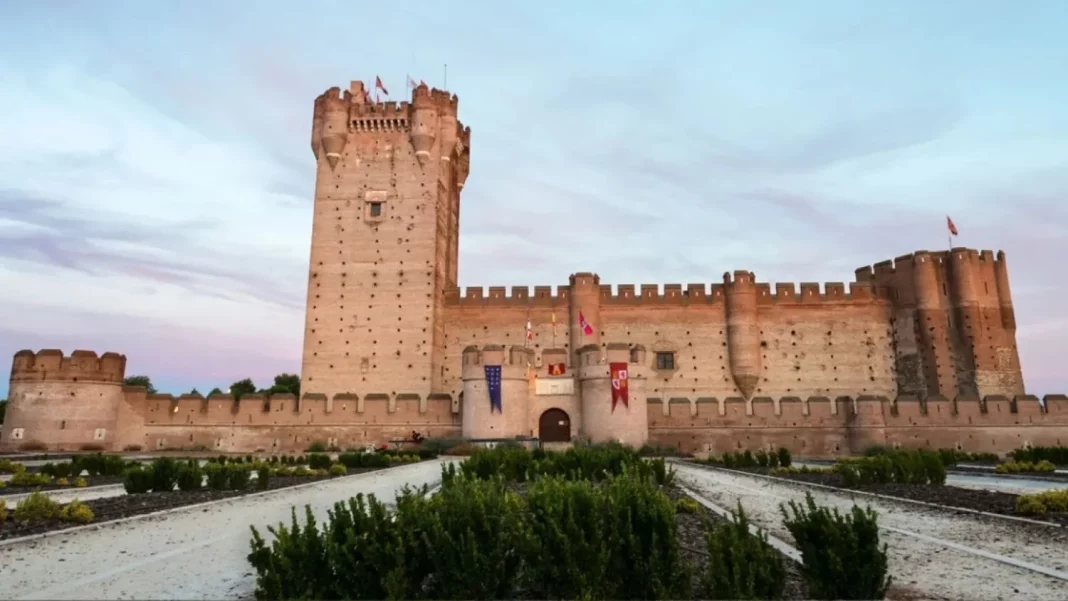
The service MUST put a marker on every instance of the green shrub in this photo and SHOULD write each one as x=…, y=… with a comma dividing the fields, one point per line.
x=742, y=565
x=8, y=466
x=904, y=467
x=99, y=464
x=566, y=557
x=1055, y=455
x=218, y=476
x=164, y=474
x=840, y=554
x=80, y=482
x=687, y=505
x=338, y=469
x=1013, y=467
x=77, y=512
x=785, y=460
x=36, y=507
x=190, y=476
x=263, y=476
x=3, y=514
x=476, y=539
x=239, y=476
x=316, y=447
x=319, y=461
x=137, y=481
x=761, y=458
x=357, y=460
x=589, y=462
x=29, y=479
x=1039, y=503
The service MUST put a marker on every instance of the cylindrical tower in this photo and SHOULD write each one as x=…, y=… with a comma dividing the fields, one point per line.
x=939, y=376
x=963, y=270
x=63, y=403
x=585, y=313
x=627, y=423
x=317, y=125
x=480, y=418
x=743, y=331
x=335, y=123
x=1001, y=278
x=425, y=124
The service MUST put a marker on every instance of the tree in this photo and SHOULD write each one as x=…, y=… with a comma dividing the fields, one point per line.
x=241, y=388
x=143, y=381
x=194, y=391
x=286, y=384
x=215, y=391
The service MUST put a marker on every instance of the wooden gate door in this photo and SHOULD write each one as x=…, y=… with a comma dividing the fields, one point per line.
x=554, y=426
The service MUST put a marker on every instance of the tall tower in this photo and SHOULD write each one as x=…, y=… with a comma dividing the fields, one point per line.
x=385, y=240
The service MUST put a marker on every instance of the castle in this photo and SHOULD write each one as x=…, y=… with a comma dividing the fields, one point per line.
x=918, y=351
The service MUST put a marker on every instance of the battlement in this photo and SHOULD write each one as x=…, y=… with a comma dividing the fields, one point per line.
x=80, y=366
x=667, y=294
x=907, y=263
x=354, y=107
x=897, y=411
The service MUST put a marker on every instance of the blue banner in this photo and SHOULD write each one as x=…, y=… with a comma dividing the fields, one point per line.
x=493, y=384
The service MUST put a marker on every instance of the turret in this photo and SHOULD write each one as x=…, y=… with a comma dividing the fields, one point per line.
x=585, y=309
x=480, y=418
x=335, y=123
x=425, y=124
x=63, y=403
x=931, y=323
x=627, y=419
x=743, y=331
x=1001, y=278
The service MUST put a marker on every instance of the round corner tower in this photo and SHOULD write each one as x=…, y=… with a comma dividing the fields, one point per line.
x=614, y=407
x=482, y=417
x=63, y=403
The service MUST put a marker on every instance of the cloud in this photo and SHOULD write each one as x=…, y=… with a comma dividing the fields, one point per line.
x=146, y=189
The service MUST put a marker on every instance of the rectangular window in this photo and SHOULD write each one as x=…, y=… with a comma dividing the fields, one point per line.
x=376, y=209
x=665, y=360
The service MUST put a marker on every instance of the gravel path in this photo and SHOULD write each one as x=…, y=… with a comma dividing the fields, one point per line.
x=197, y=553
x=932, y=569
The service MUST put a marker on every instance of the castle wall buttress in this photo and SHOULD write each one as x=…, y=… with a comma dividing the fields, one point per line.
x=382, y=236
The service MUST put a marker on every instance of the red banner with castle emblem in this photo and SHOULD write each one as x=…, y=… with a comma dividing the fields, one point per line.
x=557, y=369
x=620, y=385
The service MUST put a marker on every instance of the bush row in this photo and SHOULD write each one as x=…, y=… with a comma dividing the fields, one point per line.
x=37, y=507
x=902, y=467
x=1055, y=455
x=1040, y=503
x=567, y=537
x=747, y=458
x=591, y=462
x=163, y=474
x=1013, y=467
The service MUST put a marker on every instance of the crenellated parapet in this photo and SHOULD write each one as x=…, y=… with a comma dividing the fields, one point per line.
x=80, y=366
x=668, y=294
x=430, y=117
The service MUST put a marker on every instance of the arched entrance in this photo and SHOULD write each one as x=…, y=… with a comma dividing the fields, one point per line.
x=554, y=426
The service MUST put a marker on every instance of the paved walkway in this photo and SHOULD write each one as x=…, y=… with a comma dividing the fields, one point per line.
x=197, y=553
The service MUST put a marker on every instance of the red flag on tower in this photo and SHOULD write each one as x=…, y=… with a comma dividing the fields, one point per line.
x=951, y=226
x=587, y=329
x=378, y=85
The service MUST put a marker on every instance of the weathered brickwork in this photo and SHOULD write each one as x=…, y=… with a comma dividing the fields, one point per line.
x=392, y=344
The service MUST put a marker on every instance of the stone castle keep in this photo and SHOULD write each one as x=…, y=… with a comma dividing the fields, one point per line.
x=918, y=351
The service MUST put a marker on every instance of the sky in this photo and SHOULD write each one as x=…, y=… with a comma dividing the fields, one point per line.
x=156, y=179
